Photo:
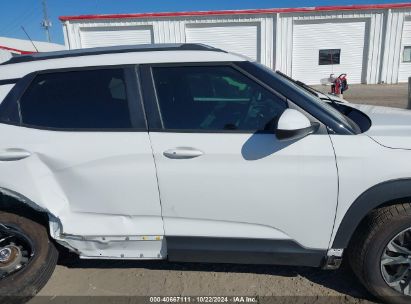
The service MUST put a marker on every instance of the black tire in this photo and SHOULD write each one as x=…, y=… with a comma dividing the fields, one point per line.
x=23, y=284
x=369, y=243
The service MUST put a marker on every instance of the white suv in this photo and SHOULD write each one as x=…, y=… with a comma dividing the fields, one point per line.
x=189, y=153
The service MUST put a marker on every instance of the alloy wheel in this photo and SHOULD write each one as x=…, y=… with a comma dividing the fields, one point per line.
x=396, y=263
x=16, y=250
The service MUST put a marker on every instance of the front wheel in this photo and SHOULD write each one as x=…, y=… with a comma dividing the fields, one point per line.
x=27, y=257
x=380, y=253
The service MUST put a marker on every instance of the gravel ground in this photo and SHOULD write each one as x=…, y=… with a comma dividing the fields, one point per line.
x=74, y=277
x=381, y=95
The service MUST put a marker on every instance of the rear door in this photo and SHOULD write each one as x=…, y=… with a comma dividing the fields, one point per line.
x=82, y=152
x=222, y=172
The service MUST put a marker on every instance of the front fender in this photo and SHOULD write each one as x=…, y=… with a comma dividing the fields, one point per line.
x=374, y=197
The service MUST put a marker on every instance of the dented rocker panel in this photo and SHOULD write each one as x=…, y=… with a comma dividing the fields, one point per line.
x=120, y=247
x=107, y=247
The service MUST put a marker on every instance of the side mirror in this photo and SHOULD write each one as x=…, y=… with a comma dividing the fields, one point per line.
x=292, y=124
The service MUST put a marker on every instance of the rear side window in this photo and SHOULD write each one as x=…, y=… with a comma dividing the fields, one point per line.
x=214, y=98
x=92, y=99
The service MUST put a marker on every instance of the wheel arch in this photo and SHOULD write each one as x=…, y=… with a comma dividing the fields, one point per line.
x=379, y=195
x=17, y=203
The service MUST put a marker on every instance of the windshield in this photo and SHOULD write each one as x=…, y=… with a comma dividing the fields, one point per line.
x=301, y=84
x=315, y=99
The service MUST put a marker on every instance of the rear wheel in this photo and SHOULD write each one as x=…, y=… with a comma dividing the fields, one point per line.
x=27, y=257
x=380, y=253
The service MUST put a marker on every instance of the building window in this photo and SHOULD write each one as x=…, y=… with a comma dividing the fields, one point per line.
x=330, y=56
x=407, y=54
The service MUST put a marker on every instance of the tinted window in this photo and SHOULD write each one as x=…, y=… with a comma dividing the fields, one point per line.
x=81, y=99
x=331, y=56
x=214, y=98
x=407, y=54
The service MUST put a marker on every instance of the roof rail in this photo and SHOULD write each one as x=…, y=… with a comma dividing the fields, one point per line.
x=112, y=50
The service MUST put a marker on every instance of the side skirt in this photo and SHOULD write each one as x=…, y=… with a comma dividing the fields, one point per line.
x=112, y=247
x=242, y=251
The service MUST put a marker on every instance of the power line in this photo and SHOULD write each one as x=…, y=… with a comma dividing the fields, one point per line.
x=16, y=23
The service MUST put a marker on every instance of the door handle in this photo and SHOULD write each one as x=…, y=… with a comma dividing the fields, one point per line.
x=182, y=153
x=13, y=154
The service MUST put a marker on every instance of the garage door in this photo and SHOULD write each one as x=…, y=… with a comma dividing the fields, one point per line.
x=110, y=36
x=343, y=39
x=242, y=39
x=405, y=63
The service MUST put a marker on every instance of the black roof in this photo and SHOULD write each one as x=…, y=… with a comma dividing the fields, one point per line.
x=112, y=50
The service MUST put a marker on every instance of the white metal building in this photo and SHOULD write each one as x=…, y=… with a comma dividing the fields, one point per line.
x=11, y=46
x=371, y=43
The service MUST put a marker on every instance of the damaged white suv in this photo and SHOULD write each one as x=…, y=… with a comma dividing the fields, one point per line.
x=189, y=153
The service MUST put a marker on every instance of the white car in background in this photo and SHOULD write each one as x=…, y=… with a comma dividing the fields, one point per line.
x=189, y=153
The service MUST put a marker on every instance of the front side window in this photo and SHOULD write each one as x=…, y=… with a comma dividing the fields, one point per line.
x=328, y=57
x=214, y=98
x=407, y=54
x=90, y=99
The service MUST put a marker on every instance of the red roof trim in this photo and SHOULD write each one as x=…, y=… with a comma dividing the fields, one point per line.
x=15, y=50
x=241, y=12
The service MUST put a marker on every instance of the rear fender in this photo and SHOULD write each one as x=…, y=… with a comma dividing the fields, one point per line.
x=31, y=182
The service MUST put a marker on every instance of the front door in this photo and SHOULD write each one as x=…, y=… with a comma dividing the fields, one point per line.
x=222, y=171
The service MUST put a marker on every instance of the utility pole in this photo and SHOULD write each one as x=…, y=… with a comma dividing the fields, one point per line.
x=46, y=23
